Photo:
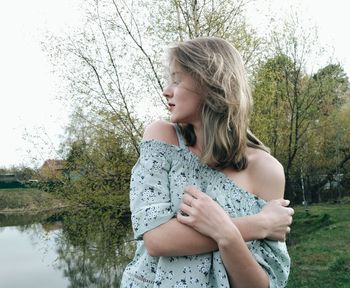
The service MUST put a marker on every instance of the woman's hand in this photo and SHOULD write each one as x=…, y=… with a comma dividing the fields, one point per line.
x=206, y=216
x=277, y=218
x=203, y=214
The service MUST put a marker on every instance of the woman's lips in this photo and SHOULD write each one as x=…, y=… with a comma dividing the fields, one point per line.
x=170, y=106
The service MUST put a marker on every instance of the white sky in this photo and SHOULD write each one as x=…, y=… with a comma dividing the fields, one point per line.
x=28, y=89
x=27, y=86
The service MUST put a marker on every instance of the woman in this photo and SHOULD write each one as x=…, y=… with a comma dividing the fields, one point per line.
x=196, y=222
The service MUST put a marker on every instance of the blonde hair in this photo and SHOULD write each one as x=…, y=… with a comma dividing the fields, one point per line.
x=219, y=69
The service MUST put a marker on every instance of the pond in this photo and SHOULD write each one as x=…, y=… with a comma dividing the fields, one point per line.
x=74, y=249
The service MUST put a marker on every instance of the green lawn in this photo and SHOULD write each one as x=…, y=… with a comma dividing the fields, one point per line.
x=27, y=200
x=319, y=246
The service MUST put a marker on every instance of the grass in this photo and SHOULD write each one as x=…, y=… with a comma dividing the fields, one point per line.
x=319, y=246
x=24, y=200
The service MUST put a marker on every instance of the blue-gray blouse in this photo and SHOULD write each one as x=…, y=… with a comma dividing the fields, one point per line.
x=157, y=184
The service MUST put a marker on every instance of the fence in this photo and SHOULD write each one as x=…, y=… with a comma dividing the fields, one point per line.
x=317, y=188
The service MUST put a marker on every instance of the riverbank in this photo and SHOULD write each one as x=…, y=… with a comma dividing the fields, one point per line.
x=318, y=242
x=28, y=201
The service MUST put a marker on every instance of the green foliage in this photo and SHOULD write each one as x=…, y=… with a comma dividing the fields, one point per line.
x=98, y=168
x=295, y=111
x=292, y=110
x=270, y=119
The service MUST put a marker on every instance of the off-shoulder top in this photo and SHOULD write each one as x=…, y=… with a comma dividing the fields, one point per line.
x=157, y=183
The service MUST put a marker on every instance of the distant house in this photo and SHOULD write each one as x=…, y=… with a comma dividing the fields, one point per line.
x=52, y=169
x=6, y=178
x=333, y=183
x=9, y=181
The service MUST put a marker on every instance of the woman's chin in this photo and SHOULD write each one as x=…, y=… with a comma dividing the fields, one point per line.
x=173, y=119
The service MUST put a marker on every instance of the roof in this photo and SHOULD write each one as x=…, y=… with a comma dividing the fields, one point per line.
x=54, y=165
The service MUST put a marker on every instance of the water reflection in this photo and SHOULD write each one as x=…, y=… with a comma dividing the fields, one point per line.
x=91, y=248
x=27, y=258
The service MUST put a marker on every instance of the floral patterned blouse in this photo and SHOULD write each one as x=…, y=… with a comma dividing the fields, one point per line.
x=157, y=183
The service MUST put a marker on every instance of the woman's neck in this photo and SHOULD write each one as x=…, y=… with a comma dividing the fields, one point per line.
x=197, y=148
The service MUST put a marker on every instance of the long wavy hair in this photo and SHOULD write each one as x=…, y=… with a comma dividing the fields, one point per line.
x=227, y=105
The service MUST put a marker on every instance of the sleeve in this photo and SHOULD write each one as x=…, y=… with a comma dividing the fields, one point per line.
x=274, y=258
x=150, y=202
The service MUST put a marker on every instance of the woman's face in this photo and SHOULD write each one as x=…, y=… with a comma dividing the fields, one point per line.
x=183, y=96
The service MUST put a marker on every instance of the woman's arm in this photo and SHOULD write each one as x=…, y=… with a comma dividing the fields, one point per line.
x=242, y=268
x=263, y=263
x=207, y=217
x=272, y=222
x=176, y=239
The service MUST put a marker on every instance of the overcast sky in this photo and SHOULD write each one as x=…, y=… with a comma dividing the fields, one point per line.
x=28, y=89
x=28, y=94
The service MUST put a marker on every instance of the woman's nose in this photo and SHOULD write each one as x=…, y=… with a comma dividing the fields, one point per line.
x=167, y=92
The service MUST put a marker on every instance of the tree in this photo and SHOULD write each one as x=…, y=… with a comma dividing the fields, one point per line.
x=113, y=67
x=115, y=63
x=197, y=18
x=328, y=155
x=270, y=93
x=99, y=162
x=291, y=109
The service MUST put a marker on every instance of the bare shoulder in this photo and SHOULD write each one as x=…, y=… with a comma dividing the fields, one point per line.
x=162, y=131
x=267, y=174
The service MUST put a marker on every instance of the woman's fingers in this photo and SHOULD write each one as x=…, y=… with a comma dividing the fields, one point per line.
x=188, y=199
x=279, y=217
x=291, y=211
x=191, y=195
x=186, y=205
x=285, y=202
x=182, y=218
x=193, y=191
x=186, y=209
